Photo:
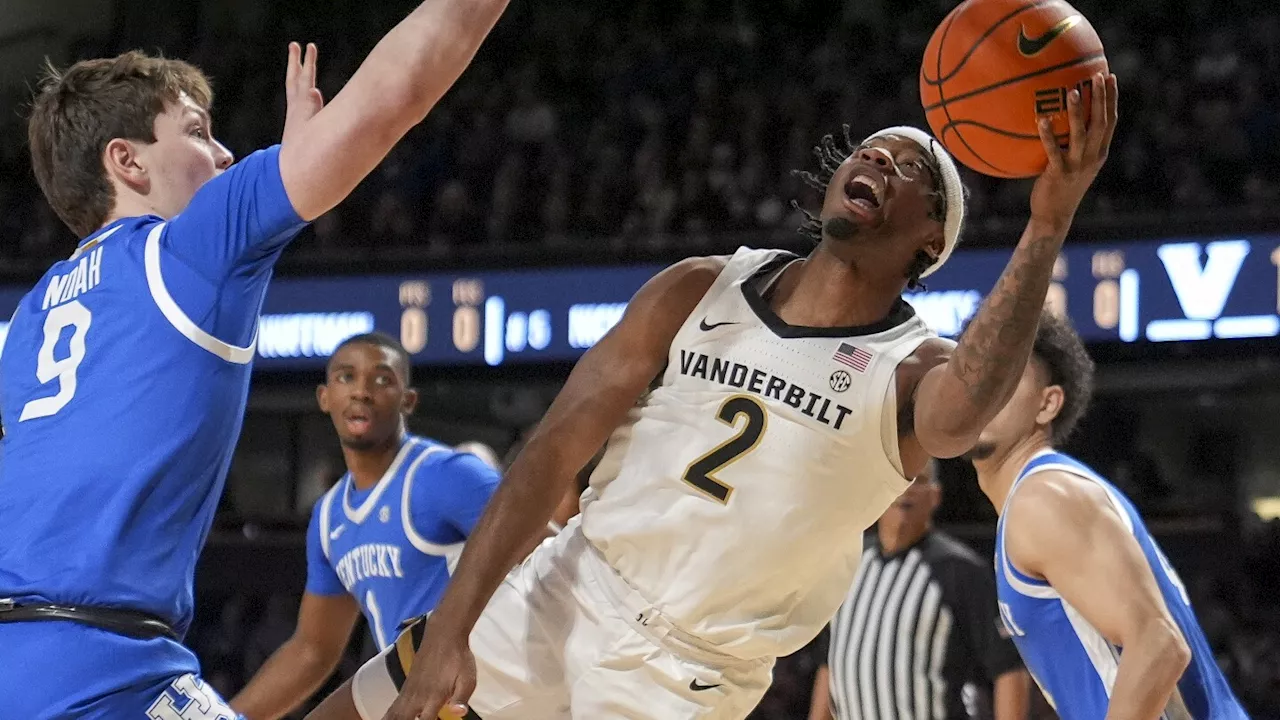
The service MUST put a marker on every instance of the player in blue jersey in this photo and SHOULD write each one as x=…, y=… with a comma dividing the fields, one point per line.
x=1079, y=577
x=126, y=368
x=383, y=540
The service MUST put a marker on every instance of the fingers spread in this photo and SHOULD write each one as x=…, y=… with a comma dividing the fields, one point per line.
x=309, y=65
x=291, y=69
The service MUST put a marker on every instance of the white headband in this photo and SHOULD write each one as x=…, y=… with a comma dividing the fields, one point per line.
x=952, y=188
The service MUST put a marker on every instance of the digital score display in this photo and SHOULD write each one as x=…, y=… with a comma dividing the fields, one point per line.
x=1195, y=289
x=1198, y=289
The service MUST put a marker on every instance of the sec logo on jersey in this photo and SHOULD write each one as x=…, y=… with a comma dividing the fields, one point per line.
x=841, y=380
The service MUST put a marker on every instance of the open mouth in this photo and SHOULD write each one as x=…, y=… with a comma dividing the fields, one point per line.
x=864, y=194
x=357, y=421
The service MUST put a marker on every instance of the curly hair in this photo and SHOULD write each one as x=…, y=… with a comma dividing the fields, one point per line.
x=1060, y=348
x=830, y=158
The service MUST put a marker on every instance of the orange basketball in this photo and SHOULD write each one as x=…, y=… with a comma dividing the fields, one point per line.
x=993, y=67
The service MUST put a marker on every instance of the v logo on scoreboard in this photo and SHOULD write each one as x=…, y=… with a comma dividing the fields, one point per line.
x=1203, y=290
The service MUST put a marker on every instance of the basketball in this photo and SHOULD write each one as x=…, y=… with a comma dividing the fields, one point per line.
x=993, y=67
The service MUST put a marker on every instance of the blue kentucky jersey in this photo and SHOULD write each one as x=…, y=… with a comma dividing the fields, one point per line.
x=123, y=384
x=1072, y=662
x=393, y=546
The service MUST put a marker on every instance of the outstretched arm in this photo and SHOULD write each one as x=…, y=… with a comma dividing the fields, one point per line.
x=603, y=387
x=327, y=152
x=299, y=666
x=1065, y=530
x=956, y=399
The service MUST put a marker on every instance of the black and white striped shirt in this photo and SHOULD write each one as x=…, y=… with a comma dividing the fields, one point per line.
x=918, y=635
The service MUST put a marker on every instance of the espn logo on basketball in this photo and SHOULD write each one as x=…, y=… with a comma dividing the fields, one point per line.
x=1049, y=101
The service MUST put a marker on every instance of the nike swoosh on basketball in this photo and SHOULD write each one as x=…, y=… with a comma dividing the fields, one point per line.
x=1030, y=47
x=703, y=326
x=696, y=686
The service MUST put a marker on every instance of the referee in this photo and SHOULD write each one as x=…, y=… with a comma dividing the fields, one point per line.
x=919, y=634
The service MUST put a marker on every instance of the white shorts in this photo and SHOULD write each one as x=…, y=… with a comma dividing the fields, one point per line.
x=565, y=637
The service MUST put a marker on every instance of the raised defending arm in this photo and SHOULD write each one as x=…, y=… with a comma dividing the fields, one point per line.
x=325, y=154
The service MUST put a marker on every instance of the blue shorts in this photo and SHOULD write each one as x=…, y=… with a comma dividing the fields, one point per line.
x=58, y=670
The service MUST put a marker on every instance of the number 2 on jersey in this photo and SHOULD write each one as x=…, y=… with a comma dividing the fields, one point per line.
x=701, y=472
x=73, y=315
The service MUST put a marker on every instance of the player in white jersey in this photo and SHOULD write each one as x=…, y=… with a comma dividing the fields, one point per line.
x=723, y=526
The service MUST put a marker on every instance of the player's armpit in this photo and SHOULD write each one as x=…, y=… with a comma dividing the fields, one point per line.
x=931, y=354
x=324, y=158
x=611, y=376
x=1066, y=530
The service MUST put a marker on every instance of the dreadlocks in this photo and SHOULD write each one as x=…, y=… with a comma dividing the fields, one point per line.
x=830, y=158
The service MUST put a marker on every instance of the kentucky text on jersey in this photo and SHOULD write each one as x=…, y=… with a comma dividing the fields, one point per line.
x=369, y=561
x=393, y=546
x=85, y=277
x=759, y=382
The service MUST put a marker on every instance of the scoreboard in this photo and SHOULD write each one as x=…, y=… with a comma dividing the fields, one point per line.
x=1148, y=291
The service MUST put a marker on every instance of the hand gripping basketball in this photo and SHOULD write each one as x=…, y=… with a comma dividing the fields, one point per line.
x=1060, y=188
x=993, y=68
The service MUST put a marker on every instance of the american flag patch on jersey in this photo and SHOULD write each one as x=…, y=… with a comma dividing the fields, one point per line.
x=854, y=357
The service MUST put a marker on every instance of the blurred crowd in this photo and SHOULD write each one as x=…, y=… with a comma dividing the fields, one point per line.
x=647, y=124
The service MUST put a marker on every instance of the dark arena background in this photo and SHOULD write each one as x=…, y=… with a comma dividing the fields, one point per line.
x=591, y=143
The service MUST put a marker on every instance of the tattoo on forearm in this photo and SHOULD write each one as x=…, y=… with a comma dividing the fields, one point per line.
x=990, y=356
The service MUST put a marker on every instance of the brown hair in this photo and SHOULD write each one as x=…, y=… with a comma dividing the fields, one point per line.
x=77, y=112
x=1063, y=353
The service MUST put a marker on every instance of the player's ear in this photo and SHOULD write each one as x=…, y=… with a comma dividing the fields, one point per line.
x=410, y=401
x=936, y=244
x=322, y=398
x=122, y=161
x=1051, y=399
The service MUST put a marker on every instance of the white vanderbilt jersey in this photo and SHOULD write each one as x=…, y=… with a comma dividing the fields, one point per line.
x=735, y=496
